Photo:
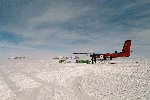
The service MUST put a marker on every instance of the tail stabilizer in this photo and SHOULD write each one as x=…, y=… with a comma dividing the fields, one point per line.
x=126, y=48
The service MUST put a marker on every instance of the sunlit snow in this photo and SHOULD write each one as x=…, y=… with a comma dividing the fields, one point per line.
x=24, y=79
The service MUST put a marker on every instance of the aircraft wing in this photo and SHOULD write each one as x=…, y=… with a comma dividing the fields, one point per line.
x=81, y=53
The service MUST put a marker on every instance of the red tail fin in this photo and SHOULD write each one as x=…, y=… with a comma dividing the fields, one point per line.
x=126, y=48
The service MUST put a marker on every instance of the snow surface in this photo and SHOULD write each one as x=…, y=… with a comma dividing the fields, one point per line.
x=126, y=79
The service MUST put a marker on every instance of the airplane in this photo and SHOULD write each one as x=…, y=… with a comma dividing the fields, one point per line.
x=125, y=53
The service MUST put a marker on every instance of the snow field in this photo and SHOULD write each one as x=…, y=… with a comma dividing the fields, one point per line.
x=46, y=93
x=124, y=82
x=64, y=75
x=5, y=92
x=23, y=81
x=50, y=80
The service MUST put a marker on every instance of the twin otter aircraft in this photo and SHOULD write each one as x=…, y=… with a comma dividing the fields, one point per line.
x=125, y=53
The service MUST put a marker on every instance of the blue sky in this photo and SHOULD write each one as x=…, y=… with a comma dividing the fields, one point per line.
x=48, y=28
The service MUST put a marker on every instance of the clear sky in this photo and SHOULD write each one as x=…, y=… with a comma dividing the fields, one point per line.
x=48, y=28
